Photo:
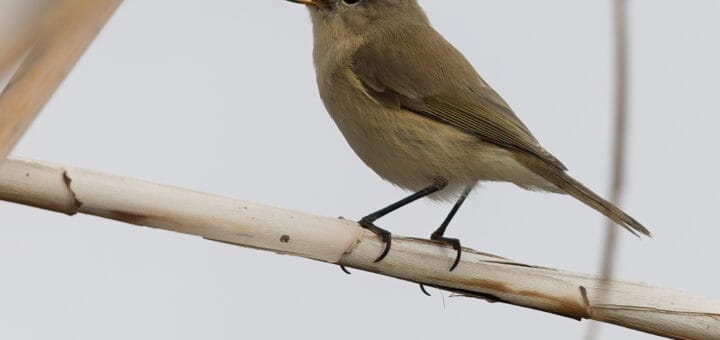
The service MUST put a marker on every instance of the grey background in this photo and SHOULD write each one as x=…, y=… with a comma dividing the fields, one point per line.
x=219, y=96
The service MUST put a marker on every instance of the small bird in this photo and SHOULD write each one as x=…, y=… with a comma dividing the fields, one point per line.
x=416, y=112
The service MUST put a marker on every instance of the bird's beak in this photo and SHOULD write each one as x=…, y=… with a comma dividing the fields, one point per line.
x=316, y=3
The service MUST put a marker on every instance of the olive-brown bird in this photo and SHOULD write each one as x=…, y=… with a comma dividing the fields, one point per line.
x=417, y=113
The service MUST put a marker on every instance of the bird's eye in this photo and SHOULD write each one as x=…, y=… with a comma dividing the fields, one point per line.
x=351, y=2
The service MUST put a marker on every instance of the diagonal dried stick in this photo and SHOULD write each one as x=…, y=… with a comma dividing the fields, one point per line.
x=21, y=22
x=633, y=305
x=68, y=30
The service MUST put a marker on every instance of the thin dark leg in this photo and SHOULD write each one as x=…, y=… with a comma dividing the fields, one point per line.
x=438, y=235
x=367, y=221
x=405, y=201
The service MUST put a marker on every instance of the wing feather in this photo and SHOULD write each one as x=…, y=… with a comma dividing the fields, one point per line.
x=441, y=84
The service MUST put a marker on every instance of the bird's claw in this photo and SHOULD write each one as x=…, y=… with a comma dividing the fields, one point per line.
x=455, y=243
x=384, y=235
x=422, y=288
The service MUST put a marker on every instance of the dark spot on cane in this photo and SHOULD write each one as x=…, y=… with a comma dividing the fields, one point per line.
x=285, y=239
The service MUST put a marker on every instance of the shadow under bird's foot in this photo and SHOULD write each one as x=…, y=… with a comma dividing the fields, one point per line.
x=455, y=243
x=385, y=235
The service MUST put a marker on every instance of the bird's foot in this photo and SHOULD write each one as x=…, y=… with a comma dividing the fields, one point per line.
x=422, y=288
x=385, y=235
x=345, y=270
x=455, y=243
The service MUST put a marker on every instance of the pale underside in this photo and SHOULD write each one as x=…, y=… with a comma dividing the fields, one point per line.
x=413, y=151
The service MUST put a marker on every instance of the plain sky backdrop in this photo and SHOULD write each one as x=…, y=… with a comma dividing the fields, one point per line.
x=220, y=96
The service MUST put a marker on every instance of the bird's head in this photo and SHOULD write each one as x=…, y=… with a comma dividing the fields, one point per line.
x=363, y=17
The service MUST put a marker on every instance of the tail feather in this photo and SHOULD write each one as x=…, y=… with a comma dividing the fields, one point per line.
x=576, y=189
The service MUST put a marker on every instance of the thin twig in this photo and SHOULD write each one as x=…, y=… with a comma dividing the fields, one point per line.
x=620, y=131
x=619, y=143
x=579, y=296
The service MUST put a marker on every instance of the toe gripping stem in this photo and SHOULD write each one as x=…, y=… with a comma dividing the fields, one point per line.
x=384, y=235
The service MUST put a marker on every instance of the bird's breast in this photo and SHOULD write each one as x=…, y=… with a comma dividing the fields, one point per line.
x=403, y=147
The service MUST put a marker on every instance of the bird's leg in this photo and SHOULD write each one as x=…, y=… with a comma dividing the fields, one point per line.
x=367, y=222
x=438, y=235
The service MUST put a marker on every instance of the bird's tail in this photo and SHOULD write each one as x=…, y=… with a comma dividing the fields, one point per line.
x=565, y=183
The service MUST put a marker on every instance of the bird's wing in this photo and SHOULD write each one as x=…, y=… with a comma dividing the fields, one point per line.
x=424, y=74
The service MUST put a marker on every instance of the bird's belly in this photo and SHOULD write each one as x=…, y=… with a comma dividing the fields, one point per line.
x=413, y=151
